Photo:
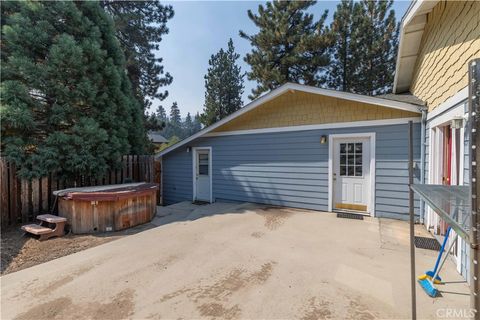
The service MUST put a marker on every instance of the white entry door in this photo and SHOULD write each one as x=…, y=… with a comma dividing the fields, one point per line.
x=351, y=174
x=202, y=174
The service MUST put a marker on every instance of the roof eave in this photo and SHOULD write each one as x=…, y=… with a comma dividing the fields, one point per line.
x=411, y=32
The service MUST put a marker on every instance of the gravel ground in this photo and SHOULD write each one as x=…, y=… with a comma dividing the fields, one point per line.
x=19, y=251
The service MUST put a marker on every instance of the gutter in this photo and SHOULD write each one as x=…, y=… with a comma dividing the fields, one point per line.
x=423, y=146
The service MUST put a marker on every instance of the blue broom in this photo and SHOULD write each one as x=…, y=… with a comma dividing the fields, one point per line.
x=427, y=283
x=431, y=273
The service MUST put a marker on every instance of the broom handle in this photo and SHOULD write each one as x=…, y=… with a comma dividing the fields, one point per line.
x=442, y=249
x=445, y=258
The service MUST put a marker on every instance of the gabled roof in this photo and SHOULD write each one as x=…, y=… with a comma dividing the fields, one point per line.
x=411, y=32
x=297, y=87
x=156, y=137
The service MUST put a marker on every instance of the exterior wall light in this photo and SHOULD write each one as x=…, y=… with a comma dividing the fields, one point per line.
x=323, y=139
x=188, y=149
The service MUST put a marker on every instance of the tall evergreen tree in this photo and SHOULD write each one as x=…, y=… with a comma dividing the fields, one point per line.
x=223, y=86
x=197, y=124
x=344, y=66
x=66, y=101
x=289, y=46
x=161, y=113
x=378, y=42
x=140, y=26
x=175, y=117
x=188, y=126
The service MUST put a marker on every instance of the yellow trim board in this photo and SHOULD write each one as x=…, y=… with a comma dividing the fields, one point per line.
x=351, y=206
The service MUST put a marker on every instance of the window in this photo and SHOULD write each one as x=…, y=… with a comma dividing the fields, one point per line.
x=351, y=161
x=203, y=164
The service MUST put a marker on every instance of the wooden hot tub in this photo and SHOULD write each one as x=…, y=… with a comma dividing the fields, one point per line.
x=107, y=208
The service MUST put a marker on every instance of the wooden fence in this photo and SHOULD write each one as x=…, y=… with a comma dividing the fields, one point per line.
x=22, y=200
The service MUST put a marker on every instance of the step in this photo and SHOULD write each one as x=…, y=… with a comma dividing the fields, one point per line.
x=50, y=218
x=36, y=229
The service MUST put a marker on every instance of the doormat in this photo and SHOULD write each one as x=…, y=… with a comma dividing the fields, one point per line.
x=348, y=215
x=200, y=203
x=427, y=243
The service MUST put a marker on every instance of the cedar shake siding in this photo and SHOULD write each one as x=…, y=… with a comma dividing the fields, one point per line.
x=297, y=108
x=451, y=39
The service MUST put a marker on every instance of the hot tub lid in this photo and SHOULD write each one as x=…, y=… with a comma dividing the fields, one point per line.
x=107, y=193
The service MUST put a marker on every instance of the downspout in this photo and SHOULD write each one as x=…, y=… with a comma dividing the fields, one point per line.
x=423, y=146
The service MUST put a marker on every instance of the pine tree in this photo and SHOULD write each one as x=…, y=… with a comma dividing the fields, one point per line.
x=289, y=47
x=378, y=42
x=66, y=102
x=197, y=125
x=140, y=26
x=161, y=114
x=175, y=117
x=188, y=126
x=223, y=86
x=343, y=70
x=153, y=123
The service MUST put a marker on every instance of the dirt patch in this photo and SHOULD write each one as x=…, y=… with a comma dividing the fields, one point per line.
x=359, y=311
x=317, y=310
x=121, y=307
x=257, y=234
x=216, y=310
x=209, y=297
x=63, y=281
x=275, y=217
x=48, y=310
x=234, y=281
x=19, y=252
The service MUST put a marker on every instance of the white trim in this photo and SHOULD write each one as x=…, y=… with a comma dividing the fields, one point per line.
x=448, y=116
x=336, y=125
x=194, y=171
x=372, y=137
x=450, y=102
x=416, y=9
x=295, y=87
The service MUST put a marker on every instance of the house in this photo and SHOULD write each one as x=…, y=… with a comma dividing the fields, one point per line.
x=437, y=40
x=304, y=147
x=326, y=150
x=157, y=139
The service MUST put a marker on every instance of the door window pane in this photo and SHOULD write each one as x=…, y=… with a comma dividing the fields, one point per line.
x=350, y=147
x=358, y=159
x=358, y=171
x=358, y=147
x=351, y=158
x=350, y=171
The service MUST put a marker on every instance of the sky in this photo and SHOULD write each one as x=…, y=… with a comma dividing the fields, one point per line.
x=198, y=30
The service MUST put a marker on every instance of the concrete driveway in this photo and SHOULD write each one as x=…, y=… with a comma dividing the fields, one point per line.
x=236, y=261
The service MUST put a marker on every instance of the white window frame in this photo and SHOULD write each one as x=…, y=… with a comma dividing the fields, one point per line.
x=371, y=137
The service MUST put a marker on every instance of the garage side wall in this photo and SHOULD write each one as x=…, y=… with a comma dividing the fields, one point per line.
x=291, y=169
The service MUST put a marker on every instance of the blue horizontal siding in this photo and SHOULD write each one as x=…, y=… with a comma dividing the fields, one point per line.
x=291, y=168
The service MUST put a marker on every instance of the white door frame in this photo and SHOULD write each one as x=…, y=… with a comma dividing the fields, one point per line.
x=194, y=170
x=451, y=110
x=371, y=137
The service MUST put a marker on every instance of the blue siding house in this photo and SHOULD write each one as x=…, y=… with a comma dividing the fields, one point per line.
x=302, y=147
